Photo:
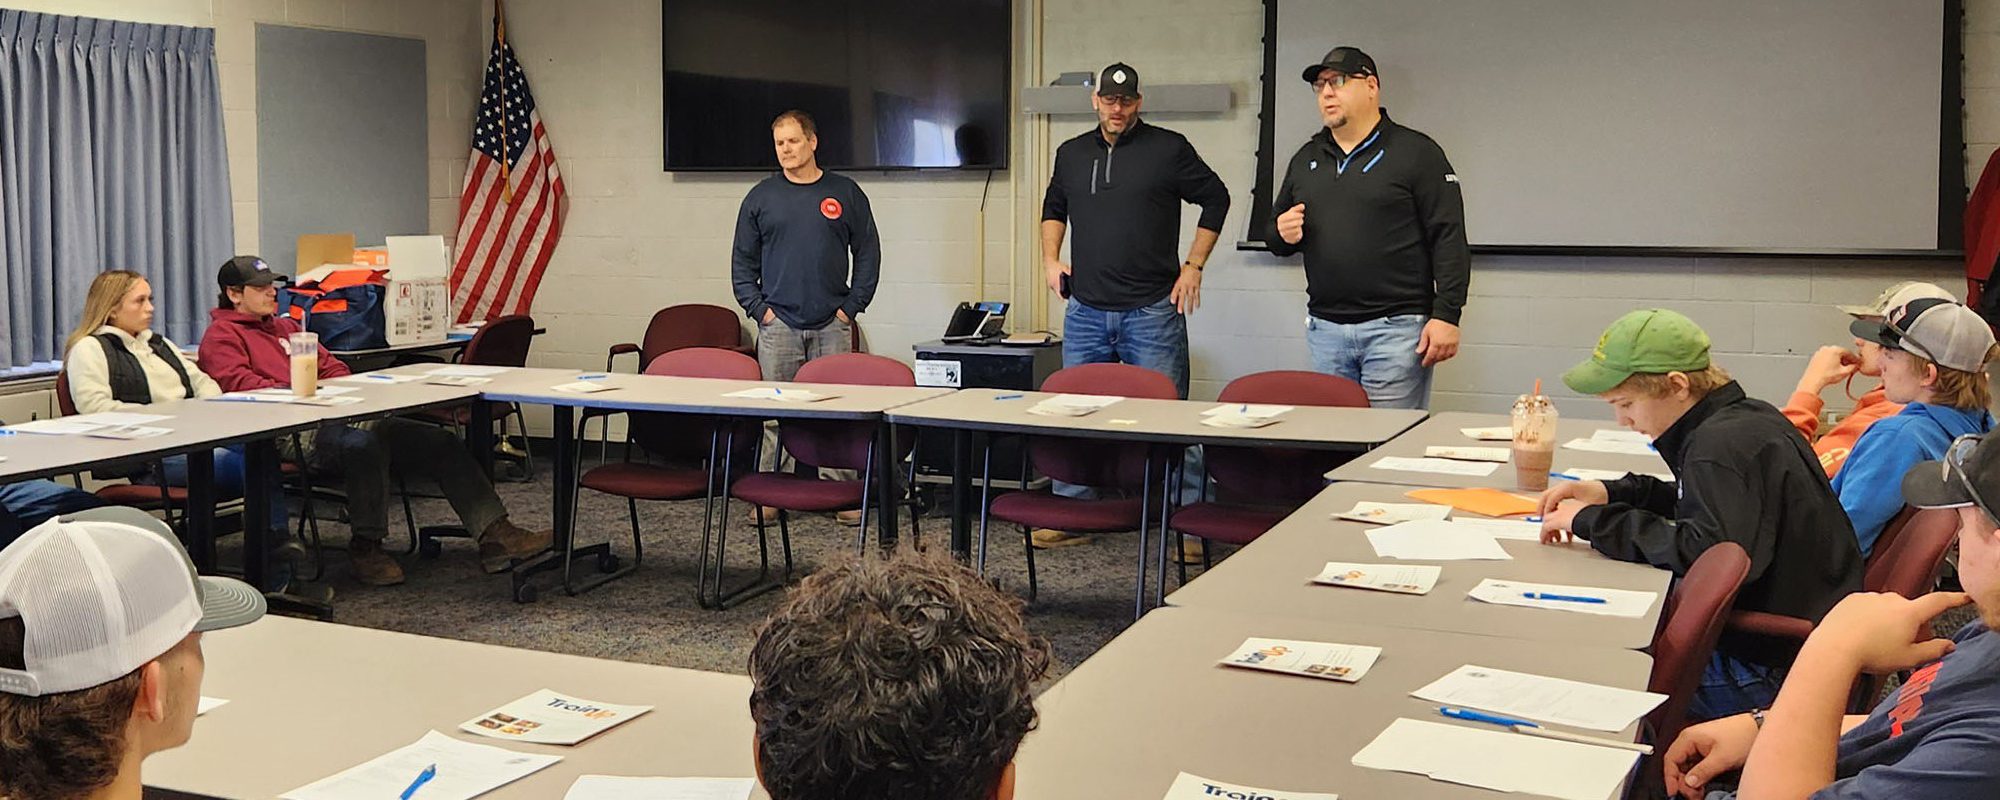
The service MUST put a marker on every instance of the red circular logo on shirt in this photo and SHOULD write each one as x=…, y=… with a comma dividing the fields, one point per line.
x=829, y=208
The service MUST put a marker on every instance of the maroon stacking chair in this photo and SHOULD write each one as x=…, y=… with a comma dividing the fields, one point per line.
x=681, y=450
x=682, y=326
x=830, y=444
x=1256, y=487
x=501, y=342
x=171, y=500
x=1124, y=469
x=1694, y=615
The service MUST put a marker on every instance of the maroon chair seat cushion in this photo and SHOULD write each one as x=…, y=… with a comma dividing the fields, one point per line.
x=139, y=495
x=1230, y=524
x=643, y=481
x=1044, y=510
x=796, y=493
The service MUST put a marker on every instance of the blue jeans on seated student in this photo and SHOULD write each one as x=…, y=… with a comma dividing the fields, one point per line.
x=1732, y=686
x=229, y=481
x=1380, y=354
x=1152, y=336
x=25, y=504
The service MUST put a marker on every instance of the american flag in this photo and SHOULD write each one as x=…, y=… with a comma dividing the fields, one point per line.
x=511, y=210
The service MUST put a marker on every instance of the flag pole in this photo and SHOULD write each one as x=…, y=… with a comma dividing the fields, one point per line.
x=500, y=38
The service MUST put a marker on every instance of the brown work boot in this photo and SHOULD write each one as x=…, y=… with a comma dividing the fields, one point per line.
x=372, y=566
x=504, y=542
x=1049, y=539
x=1190, y=551
x=851, y=519
x=769, y=514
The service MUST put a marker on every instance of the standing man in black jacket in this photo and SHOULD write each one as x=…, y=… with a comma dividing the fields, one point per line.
x=1743, y=475
x=1121, y=185
x=1376, y=208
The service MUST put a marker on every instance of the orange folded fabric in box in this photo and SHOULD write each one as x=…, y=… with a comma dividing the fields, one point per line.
x=1490, y=502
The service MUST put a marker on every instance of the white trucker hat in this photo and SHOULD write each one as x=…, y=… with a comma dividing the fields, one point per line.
x=1944, y=332
x=1897, y=296
x=102, y=592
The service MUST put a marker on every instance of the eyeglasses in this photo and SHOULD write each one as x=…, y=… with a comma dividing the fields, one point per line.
x=1336, y=80
x=1954, y=465
x=1118, y=101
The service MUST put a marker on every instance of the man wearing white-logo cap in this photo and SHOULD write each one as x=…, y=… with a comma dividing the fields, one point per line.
x=101, y=618
x=1835, y=364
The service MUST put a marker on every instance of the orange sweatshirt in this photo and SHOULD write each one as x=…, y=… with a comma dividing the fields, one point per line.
x=1804, y=410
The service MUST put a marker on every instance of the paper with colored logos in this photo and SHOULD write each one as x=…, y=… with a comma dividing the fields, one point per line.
x=1499, y=433
x=1435, y=540
x=1582, y=474
x=1073, y=405
x=1399, y=578
x=1558, y=597
x=1191, y=787
x=1440, y=466
x=1508, y=529
x=612, y=787
x=781, y=395
x=1324, y=660
x=1497, y=455
x=1541, y=698
x=1610, y=446
x=1491, y=758
x=1392, y=513
x=546, y=717
x=463, y=771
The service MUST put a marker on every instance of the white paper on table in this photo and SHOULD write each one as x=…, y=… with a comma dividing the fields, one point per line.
x=1232, y=421
x=1516, y=530
x=208, y=704
x=379, y=377
x=1497, y=455
x=456, y=380
x=611, y=787
x=1477, y=469
x=1493, y=759
x=583, y=387
x=1398, y=578
x=466, y=371
x=1435, y=540
x=1195, y=787
x=64, y=426
x=1541, y=698
x=1250, y=410
x=1073, y=405
x=256, y=396
x=1325, y=660
x=128, y=432
x=1496, y=434
x=325, y=400
x=781, y=395
x=1392, y=513
x=334, y=391
x=1582, y=474
x=1616, y=435
x=121, y=418
x=1617, y=602
x=547, y=717
x=464, y=771
x=1610, y=446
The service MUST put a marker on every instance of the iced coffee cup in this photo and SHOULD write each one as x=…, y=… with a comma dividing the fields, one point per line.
x=304, y=348
x=1534, y=419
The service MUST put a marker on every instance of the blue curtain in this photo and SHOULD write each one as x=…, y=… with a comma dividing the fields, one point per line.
x=111, y=157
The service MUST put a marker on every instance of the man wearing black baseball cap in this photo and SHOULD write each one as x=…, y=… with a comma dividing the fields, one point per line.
x=1376, y=209
x=246, y=271
x=1935, y=736
x=1121, y=185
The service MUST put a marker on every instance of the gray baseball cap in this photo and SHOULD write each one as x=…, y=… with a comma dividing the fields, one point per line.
x=1897, y=296
x=1946, y=333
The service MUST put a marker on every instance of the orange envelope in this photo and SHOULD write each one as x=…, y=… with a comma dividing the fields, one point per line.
x=1490, y=502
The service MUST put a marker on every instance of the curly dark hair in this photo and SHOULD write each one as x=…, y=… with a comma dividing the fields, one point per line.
x=59, y=746
x=907, y=678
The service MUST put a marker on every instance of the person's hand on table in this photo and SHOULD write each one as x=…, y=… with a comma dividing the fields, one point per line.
x=1556, y=523
x=1704, y=751
x=1883, y=632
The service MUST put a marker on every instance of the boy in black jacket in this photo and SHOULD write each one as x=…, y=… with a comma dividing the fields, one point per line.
x=1743, y=475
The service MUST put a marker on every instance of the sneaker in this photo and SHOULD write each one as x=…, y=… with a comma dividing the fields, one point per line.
x=372, y=567
x=287, y=548
x=1049, y=539
x=505, y=542
x=769, y=514
x=851, y=519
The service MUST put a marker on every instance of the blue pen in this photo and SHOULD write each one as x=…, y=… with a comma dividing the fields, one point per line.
x=1564, y=475
x=422, y=778
x=1567, y=598
x=1007, y=397
x=1531, y=519
x=1470, y=715
x=593, y=376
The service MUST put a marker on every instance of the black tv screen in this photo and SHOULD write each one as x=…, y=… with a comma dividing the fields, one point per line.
x=891, y=84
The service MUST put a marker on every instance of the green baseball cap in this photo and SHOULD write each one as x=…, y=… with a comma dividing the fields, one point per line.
x=1652, y=340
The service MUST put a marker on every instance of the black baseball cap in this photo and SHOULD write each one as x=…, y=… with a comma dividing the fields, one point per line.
x=1969, y=474
x=1346, y=60
x=247, y=271
x=1118, y=80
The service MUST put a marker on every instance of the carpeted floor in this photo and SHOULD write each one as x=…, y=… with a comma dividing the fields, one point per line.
x=1085, y=598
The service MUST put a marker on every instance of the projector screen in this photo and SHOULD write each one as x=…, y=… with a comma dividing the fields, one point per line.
x=1792, y=125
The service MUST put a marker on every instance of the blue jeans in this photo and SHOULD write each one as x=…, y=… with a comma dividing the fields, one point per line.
x=1154, y=337
x=1732, y=686
x=229, y=480
x=1380, y=354
x=26, y=504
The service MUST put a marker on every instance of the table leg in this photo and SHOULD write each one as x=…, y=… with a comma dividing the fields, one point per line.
x=886, y=484
x=479, y=436
x=564, y=552
x=962, y=500
x=199, y=517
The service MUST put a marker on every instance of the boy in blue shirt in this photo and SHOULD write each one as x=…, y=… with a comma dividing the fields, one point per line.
x=1934, y=356
x=1938, y=736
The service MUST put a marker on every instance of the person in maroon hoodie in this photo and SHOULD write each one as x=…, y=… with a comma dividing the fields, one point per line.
x=245, y=348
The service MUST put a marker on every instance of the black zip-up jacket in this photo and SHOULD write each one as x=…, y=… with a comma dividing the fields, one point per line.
x=1745, y=476
x=1385, y=227
x=1123, y=206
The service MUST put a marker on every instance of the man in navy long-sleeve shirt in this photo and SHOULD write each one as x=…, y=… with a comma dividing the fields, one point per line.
x=790, y=265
